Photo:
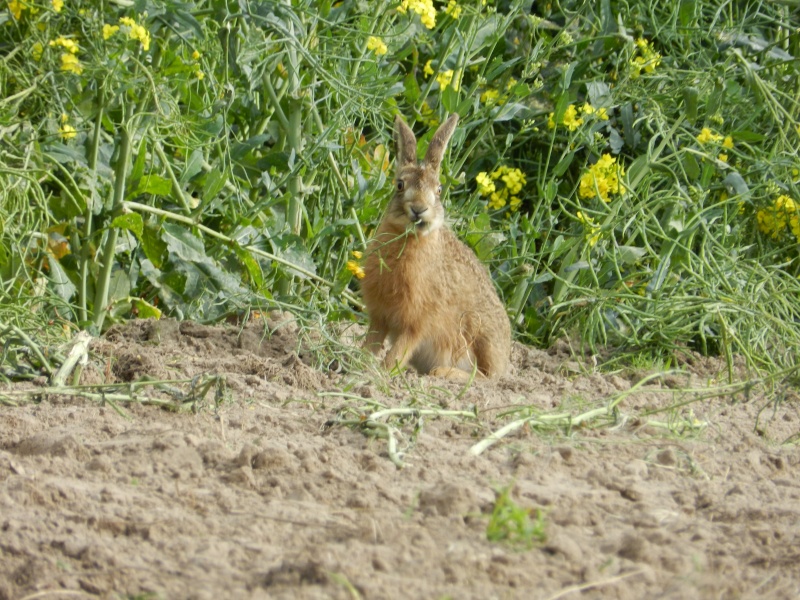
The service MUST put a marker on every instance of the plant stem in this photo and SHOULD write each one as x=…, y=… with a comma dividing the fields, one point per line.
x=94, y=149
x=110, y=246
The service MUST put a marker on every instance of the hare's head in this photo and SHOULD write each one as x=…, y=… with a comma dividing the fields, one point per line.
x=417, y=200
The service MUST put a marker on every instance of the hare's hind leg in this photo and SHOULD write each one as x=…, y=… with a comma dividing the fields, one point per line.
x=491, y=360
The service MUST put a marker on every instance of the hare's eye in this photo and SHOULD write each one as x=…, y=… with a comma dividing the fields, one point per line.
x=400, y=185
x=439, y=190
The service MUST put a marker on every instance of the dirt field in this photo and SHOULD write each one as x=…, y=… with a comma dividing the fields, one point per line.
x=266, y=496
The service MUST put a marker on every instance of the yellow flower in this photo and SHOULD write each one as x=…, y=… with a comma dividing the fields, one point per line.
x=357, y=254
x=727, y=142
x=774, y=220
x=57, y=5
x=196, y=55
x=355, y=269
x=200, y=75
x=511, y=83
x=67, y=131
x=15, y=7
x=137, y=32
x=424, y=8
x=444, y=79
x=70, y=63
x=706, y=135
x=66, y=43
x=497, y=201
x=723, y=157
x=587, y=109
x=428, y=116
x=485, y=184
x=602, y=179
x=427, y=70
x=648, y=61
x=36, y=51
x=453, y=9
x=602, y=114
x=514, y=180
x=551, y=124
x=376, y=45
x=571, y=119
x=490, y=96
x=109, y=30
x=515, y=203
x=592, y=230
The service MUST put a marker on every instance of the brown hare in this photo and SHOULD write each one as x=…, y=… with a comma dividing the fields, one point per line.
x=423, y=288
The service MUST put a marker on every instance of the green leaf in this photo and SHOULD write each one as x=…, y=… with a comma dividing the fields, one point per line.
x=132, y=222
x=563, y=164
x=630, y=254
x=152, y=244
x=60, y=281
x=153, y=184
x=736, y=185
x=138, y=165
x=193, y=165
x=252, y=266
x=690, y=95
x=146, y=310
x=691, y=166
x=183, y=244
x=215, y=181
x=411, y=88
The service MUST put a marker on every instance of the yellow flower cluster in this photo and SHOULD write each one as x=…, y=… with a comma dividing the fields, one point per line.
x=513, y=181
x=428, y=115
x=424, y=8
x=15, y=7
x=706, y=135
x=376, y=45
x=647, y=60
x=353, y=266
x=602, y=179
x=66, y=130
x=109, y=30
x=449, y=78
x=453, y=9
x=137, y=32
x=571, y=119
x=71, y=64
x=67, y=44
x=591, y=228
x=773, y=220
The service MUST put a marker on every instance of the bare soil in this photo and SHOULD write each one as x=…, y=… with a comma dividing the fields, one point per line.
x=261, y=494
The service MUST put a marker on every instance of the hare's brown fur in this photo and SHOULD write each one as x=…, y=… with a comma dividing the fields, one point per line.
x=423, y=288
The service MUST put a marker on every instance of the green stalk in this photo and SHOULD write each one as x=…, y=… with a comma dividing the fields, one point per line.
x=94, y=150
x=294, y=137
x=110, y=246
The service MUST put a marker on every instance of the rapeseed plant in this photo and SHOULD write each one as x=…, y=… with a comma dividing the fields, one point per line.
x=376, y=45
x=602, y=179
x=513, y=180
x=424, y=8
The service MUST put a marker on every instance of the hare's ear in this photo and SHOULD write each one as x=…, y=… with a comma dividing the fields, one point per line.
x=436, y=148
x=406, y=143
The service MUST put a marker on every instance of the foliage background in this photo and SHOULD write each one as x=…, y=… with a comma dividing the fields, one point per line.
x=628, y=170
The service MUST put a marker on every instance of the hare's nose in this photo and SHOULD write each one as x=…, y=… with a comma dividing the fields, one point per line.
x=418, y=212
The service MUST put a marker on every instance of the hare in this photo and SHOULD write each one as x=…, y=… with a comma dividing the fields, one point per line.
x=423, y=288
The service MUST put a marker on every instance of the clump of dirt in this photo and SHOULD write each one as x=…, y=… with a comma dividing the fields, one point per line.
x=267, y=494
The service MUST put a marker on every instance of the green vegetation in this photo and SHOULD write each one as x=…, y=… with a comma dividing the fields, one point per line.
x=514, y=525
x=629, y=171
